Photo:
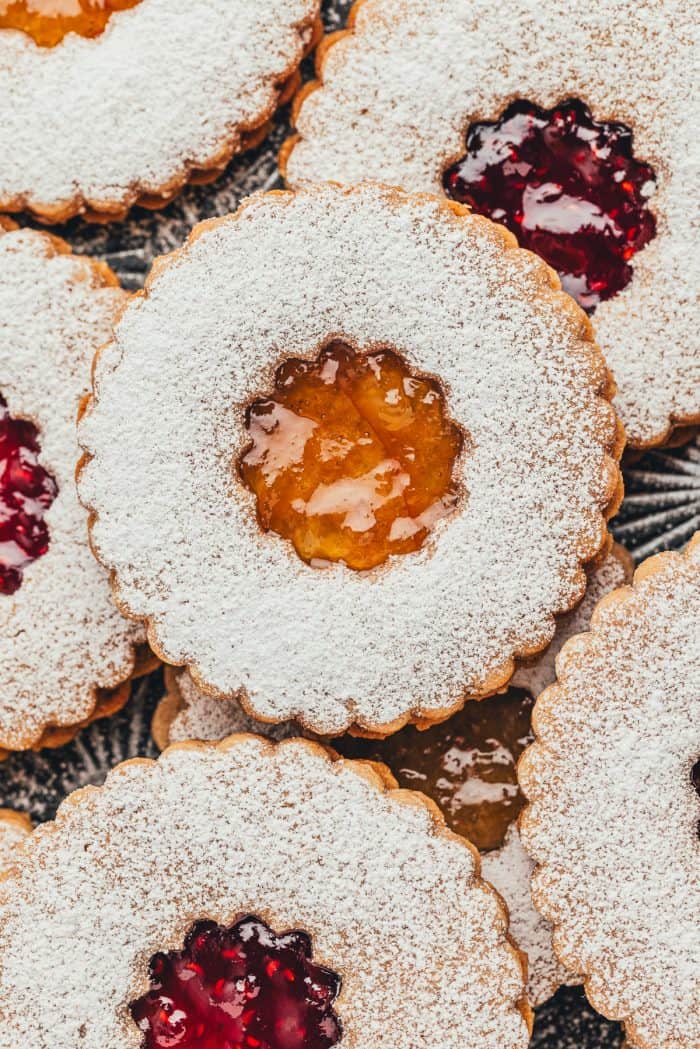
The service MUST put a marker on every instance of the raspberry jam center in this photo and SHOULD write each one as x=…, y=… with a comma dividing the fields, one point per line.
x=567, y=186
x=49, y=21
x=695, y=780
x=239, y=988
x=26, y=493
x=466, y=764
x=351, y=458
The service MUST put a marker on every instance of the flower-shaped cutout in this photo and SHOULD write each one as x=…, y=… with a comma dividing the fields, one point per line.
x=352, y=456
x=240, y=986
x=567, y=186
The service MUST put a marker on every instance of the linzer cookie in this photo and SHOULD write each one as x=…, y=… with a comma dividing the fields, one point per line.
x=109, y=103
x=577, y=136
x=613, y=820
x=226, y=894
x=66, y=653
x=466, y=765
x=370, y=445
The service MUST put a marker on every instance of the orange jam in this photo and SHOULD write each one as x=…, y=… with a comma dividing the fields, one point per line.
x=351, y=457
x=49, y=21
x=466, y=764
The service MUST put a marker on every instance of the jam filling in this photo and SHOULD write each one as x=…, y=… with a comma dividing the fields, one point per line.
x=567, y=186
x=26, y=493
x=695, y=780
x=239, y=988
x=47, y=22
x=351, y=457
x=466, y=764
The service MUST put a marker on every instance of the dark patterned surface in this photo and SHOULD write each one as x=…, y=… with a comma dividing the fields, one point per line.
x=661, y=511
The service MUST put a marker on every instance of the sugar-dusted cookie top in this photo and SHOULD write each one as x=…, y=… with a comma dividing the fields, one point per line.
x=128, y=107
x=387, y=898
x=613, y=817
x=230, y=359
x=62, y=640
x=472, y=98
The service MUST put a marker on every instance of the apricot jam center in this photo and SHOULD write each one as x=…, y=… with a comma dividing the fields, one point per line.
x=351, y=457
x=47, y=22
x=466, y=764
x=239, y=988
x=567, y=186
x=26, y=493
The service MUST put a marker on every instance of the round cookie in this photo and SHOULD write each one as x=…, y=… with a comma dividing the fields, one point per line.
x=616, y=758
x=169, y=93
x=519, y=376
x=398, y=91
x=66, y=653
x=454, y=771
x=370, y=873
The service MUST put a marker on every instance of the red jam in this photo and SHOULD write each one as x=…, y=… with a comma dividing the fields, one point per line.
x=567, y=186
x=239, y=988
x=351, y=457
x=49, y=21
x=695, y=780
x=26, y=493
x=466, y=764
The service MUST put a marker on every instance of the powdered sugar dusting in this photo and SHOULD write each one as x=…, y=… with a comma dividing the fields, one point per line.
x=60, y=634
x=281, y=279
x=195, y=715
x=14, y=829
x=613, y=572
x=400, y=92
x=382, y=893
x=204, y=717
x=163, y=89
x=613, y=820
x=509, y=869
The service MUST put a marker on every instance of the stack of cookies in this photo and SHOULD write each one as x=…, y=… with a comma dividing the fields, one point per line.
x=347, y=466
